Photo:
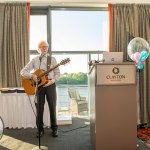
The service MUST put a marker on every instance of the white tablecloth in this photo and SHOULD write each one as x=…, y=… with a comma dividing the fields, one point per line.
x=16, y=111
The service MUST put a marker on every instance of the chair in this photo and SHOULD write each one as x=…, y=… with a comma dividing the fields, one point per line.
x=79, y=103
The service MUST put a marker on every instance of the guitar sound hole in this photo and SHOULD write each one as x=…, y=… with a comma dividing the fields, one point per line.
x=38, y=82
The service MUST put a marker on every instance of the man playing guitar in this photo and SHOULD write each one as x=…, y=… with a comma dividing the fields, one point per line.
x=47, y=89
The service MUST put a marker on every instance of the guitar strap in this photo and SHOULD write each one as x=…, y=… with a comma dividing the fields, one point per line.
x=48, y=62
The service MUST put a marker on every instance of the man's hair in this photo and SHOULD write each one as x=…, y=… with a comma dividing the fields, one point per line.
x=41, y=42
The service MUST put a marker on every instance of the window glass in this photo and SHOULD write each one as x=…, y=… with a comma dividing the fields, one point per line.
x=78, y=63
x=79, y=30
x=98, y=57
x=38, y=30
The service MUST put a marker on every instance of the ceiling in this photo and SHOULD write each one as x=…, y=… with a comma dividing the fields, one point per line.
x=92, y=3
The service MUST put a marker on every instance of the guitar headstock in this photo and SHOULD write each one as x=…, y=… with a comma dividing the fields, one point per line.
x=65, y=61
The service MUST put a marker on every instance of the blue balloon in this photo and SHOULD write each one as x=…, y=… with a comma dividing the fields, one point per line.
x=143, y=56
x=140, y=66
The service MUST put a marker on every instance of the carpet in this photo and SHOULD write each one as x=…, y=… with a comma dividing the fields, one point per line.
x=75, y=136
x=143, y=134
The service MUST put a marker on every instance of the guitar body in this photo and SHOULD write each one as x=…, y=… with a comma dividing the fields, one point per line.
x=30, y=85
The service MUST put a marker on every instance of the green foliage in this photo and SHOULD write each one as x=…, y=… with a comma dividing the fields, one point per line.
x=73, y=78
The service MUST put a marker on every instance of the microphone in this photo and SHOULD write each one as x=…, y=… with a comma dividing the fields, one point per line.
x=93, y=62
x=40, y=58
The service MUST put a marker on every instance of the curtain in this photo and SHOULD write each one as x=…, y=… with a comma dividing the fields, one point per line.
x=110, y=26
x=133, y=19
x=14, y=43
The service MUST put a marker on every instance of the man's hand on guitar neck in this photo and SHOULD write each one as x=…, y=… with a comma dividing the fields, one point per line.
x=49, y=82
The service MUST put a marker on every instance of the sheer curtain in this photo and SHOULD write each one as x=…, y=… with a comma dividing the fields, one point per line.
x=14, y=42
x=133, y=19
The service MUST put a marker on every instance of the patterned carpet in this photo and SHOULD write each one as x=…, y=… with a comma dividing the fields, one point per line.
x=143, y=134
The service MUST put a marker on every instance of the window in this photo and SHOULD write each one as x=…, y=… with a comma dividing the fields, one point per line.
x=78, y=33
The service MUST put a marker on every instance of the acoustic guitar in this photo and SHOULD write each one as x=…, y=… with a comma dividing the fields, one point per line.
x=30, y=85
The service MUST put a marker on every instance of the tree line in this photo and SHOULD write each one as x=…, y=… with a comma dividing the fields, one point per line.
x=73, y=78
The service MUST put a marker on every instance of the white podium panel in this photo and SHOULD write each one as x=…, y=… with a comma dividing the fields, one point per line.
x=113, y=111
x=116, y=74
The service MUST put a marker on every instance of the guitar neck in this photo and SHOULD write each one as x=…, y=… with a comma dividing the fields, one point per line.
x=49, y=70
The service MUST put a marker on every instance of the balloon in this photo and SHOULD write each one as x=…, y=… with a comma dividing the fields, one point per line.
x=140, y=65
x=132, y=57
x=143, y=56
x=137, y=56
x=138, y=47
x=138, y=50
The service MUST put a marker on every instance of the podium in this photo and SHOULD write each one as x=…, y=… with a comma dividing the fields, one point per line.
x=113, y=114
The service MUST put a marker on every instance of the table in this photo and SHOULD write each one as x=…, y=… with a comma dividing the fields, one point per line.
x=16, y=111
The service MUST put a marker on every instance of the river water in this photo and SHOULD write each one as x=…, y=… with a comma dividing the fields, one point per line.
x=63, y=99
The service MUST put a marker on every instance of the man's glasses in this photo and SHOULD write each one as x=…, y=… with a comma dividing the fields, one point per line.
x=43, y=46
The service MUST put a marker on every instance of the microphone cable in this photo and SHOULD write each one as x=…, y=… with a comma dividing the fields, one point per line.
x=32, y=105
x=72, y=129
x=64, y=131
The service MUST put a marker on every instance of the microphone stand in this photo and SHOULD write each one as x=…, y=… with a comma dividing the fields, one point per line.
x=38, y=111
x=38, y=107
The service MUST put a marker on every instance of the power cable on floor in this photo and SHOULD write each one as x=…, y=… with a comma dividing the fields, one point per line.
x=73, y=129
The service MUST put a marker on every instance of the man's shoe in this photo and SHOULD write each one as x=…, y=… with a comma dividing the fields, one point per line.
x=55, y=133
x=41, y=134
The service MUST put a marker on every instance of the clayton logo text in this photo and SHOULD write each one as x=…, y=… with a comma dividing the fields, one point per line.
x=115, y=77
